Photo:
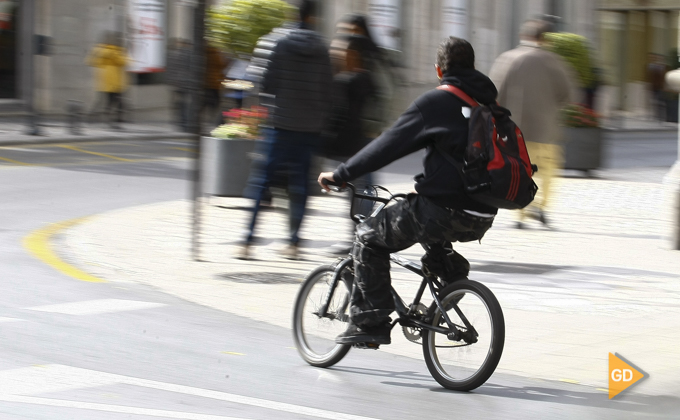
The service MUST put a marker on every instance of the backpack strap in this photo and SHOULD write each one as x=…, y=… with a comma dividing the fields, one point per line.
x=459, y=93
x=467, y=99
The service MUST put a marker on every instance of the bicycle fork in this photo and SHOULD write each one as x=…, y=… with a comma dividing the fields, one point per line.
x=323, y=310
x=454, y=333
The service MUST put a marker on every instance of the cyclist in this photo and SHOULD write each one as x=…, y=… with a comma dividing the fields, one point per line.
x=438, y=214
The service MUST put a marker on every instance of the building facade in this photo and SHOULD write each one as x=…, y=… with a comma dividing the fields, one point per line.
x=631, y=33
x=492, y=26
x=57, y=36
x=50, y=40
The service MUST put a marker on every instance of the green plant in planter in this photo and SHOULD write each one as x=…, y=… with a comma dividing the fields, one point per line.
x=574, y=49
x=579, y=116
x=236, y=26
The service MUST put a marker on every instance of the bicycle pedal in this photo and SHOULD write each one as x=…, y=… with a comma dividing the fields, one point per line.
x=370, y=346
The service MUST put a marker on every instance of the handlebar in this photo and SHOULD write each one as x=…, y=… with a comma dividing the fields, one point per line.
x=346, y=186
x=340, y=186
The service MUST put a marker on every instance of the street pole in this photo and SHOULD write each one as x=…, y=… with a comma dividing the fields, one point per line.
x=28, y=64
x=672, y=178
x=197, y=69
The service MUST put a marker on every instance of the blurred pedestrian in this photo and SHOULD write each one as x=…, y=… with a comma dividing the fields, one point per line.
x=534, y=84
x=656, y=74
x=296, y=79
x=179, y=77
x=345, y=133
x=375, y=115
x=110, y=59
x=214, y=75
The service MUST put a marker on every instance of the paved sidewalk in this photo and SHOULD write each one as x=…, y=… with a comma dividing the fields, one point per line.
x=14, y=133
x=601, y=281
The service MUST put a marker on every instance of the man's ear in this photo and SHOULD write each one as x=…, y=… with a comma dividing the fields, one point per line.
x=440, y=74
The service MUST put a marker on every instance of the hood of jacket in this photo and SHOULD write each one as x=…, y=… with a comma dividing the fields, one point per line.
x=472, y=82
x=305, y=42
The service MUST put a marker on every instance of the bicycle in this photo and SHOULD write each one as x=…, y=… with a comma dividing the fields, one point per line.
x=462, y=332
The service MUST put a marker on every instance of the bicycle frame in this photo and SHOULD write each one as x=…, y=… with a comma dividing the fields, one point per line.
x=406, y=315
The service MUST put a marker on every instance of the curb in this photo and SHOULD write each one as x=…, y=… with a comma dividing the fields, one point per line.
x=37, y=140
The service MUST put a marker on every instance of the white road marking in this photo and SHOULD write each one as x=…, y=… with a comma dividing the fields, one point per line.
x=114, y=408
x=48, y=378
x=23, y=149
x=52, y=378
x=6, y=319
x=99, y=306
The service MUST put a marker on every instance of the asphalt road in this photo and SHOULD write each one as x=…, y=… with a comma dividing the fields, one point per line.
x=78, y=350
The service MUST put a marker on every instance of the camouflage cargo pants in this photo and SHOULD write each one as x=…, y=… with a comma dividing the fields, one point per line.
x=399, y=226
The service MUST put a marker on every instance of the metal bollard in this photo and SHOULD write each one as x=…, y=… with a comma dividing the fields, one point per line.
x=74, y=109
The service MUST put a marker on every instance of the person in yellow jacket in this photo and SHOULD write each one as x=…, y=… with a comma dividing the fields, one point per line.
x=110, y=60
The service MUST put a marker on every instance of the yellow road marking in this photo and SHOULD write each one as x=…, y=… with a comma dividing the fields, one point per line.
x=602, y=389
x=16, y=162
x=96, y=162
x=569, y=381
x=78, y=149
x=38, y=244
x=233, y=353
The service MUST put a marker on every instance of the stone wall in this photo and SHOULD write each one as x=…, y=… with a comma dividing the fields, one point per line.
x=75, y=26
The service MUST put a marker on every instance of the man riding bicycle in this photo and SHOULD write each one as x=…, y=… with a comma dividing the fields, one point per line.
x=438, y=214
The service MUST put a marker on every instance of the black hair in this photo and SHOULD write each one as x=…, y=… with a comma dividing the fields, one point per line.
x=359, y=21
x=307, y=9
x=357, y=43
x=455, y=53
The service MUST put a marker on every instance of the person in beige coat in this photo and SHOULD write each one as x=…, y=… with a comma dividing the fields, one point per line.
x=534, y=84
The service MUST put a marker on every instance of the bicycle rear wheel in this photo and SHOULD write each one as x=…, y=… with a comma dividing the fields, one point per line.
x=459, y=365
x=315, y=335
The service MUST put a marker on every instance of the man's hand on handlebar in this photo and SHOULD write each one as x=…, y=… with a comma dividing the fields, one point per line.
x=326, y=178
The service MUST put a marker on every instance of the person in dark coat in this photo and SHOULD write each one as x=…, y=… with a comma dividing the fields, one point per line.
x=294, y=70
x=178, y=75
x=346, y=133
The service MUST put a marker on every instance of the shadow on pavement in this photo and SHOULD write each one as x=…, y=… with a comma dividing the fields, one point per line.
x=627, y=402
x=561, y=393
x=517, y=268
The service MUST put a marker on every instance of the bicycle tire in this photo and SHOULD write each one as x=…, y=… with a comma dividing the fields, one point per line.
x=467, y=375
x=302, y=333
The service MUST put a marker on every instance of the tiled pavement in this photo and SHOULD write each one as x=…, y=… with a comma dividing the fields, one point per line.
x=602, y=280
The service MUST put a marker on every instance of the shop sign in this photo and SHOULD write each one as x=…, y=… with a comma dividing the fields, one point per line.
x=455, y=18
x=146, y=31
x=385, y=22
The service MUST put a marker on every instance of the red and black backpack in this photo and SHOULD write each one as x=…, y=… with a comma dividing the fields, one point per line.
x=496, y=170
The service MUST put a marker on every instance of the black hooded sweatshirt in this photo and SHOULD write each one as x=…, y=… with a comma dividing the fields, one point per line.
x=436, y=116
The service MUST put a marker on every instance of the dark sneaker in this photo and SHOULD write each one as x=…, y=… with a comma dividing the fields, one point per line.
x=356, y=335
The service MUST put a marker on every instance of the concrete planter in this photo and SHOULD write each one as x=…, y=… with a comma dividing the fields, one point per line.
x=582, y=148
x=225, y=165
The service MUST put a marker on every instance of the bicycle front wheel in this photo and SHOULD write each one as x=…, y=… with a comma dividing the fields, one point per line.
x=314, y=334
x=465, y=364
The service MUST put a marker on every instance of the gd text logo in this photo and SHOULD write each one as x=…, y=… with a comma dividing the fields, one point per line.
x=622, y=374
